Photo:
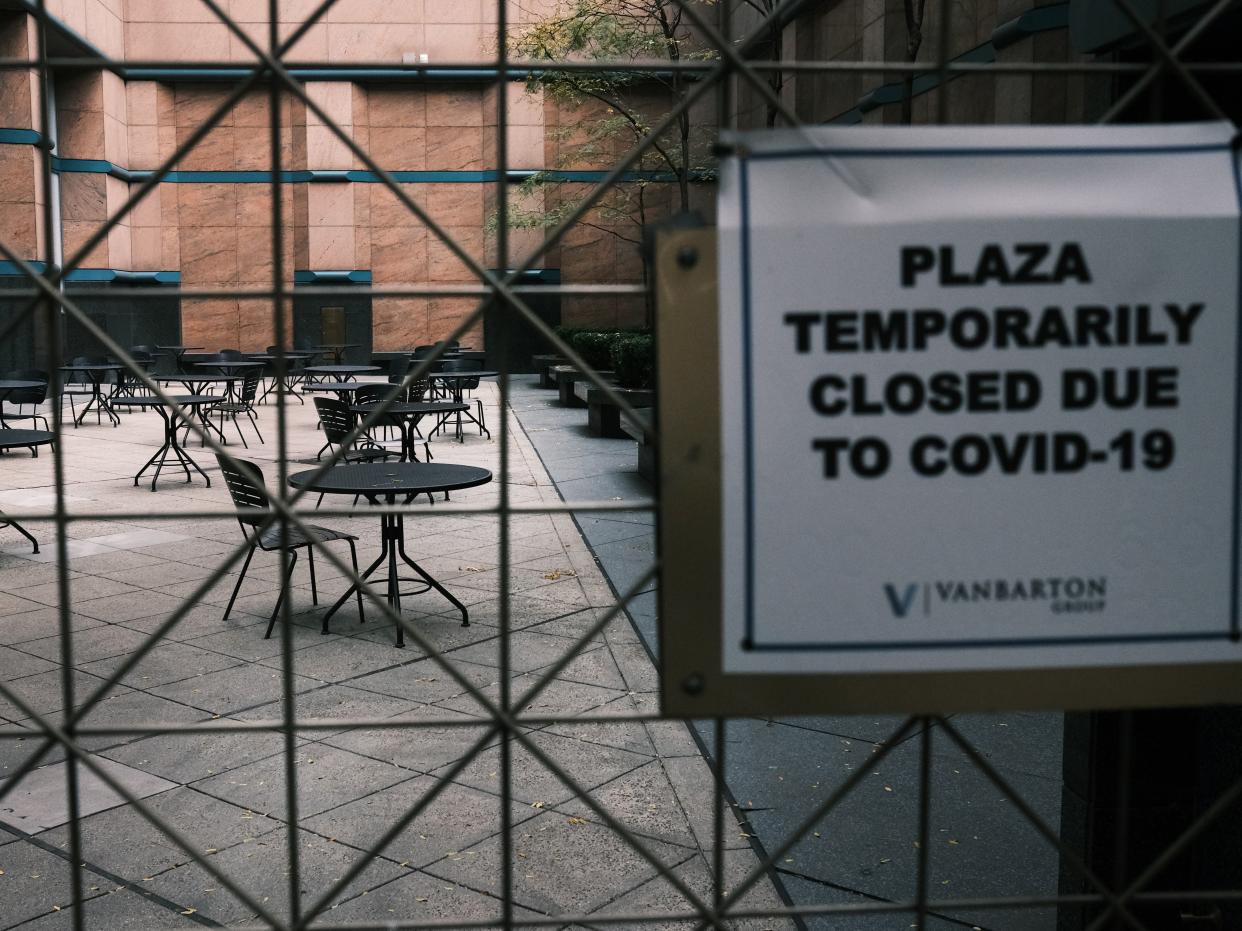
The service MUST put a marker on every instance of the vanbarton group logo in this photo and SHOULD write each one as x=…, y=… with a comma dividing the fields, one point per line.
x=1072, y=594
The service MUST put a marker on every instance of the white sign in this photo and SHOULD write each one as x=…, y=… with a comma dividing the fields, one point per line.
x=980, y=398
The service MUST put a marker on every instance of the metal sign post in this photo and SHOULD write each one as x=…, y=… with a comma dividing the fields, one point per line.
x=968, y=438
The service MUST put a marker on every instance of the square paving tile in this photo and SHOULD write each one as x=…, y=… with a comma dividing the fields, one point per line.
x=35, y=882
x=40, y=800
x=125, y=843
x=326, y=777
x=260, y=868
x=233, y=689
x=589, y=765
x=457, y=818
x=559, y=866
x=186, y=758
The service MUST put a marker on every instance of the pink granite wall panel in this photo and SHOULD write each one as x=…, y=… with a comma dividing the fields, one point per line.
x=398, y=323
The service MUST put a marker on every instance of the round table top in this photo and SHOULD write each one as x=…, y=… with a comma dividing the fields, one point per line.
x=457, y=376
x=93, y=367
x=15, y=384
x=341, y=369
x=229, y=364
x=410, y=408
x=392, y=478
x=12, y=439
x=339, y=387
x=150, y=400
x=197, y=379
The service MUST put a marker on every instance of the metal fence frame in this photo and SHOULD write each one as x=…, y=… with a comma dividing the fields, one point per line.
x=717, y=910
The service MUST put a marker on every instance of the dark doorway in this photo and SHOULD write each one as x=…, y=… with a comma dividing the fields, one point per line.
x=153, y=318
x=340, y=319
x=17, y=348
x=521, y=341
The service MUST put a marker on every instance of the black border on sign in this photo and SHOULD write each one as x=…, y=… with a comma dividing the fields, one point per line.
x=750, y=643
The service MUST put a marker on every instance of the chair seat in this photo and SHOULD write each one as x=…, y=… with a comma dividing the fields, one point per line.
x=369, y=454
x=270, y=538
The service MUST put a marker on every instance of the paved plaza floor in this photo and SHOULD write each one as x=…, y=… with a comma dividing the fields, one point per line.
x=132, y=562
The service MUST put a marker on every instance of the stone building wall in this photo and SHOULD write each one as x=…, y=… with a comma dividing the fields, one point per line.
x=876, y=31
x=212, y=221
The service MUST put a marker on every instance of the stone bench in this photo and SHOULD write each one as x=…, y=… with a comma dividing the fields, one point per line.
x=566, y=377
x=543, y=368
x=646, y=451
x=604, y=417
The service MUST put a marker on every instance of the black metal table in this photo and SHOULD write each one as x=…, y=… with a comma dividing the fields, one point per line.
x=290, y=378
x=336, y=350
x=454, y=382
x=178, y=354
x=17, y=439
x=191, y=403
x=408, y=414
x=96, y=373
x=7, y=387
x=197, y=384
x=341, y=372
x=383, y=482
x=231, y=366
x=342, y=389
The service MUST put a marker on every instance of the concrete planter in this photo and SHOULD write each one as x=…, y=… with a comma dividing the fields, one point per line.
x=566, y=377
x=543, y=368
x=604, y=417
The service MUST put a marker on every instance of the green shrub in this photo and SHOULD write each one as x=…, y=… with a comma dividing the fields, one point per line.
x=595, y=346
x=633, y=359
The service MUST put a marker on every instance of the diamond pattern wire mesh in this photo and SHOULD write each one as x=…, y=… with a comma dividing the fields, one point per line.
x=725, y=906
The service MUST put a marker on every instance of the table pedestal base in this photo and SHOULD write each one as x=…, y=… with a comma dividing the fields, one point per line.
x=171, y=448
x=392, y=531
x=6, y=522
x=100, y=404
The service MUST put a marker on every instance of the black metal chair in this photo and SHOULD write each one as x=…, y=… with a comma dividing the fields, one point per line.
x=246, y=485
x=243, y=405
x=338, y=422
x=127, y=383
x=367, y=394
x=417, y=390
x=79, y=384
x=31, y=396
x=230, y=355
x=467, y=384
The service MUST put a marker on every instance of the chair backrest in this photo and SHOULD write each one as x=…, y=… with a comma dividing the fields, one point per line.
x=365, y=394
x=28, y=395
x=336, y=419
x=463, y=365
x=229, y=355
x=452, y=343
x=250, y=385
x=398, y=366
x=246, y=485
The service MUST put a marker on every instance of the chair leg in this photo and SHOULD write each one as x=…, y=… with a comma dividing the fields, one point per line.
x=310, y=561
x=254, y=423
x=284, y=590
x=353, y=557
x=240, y=578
